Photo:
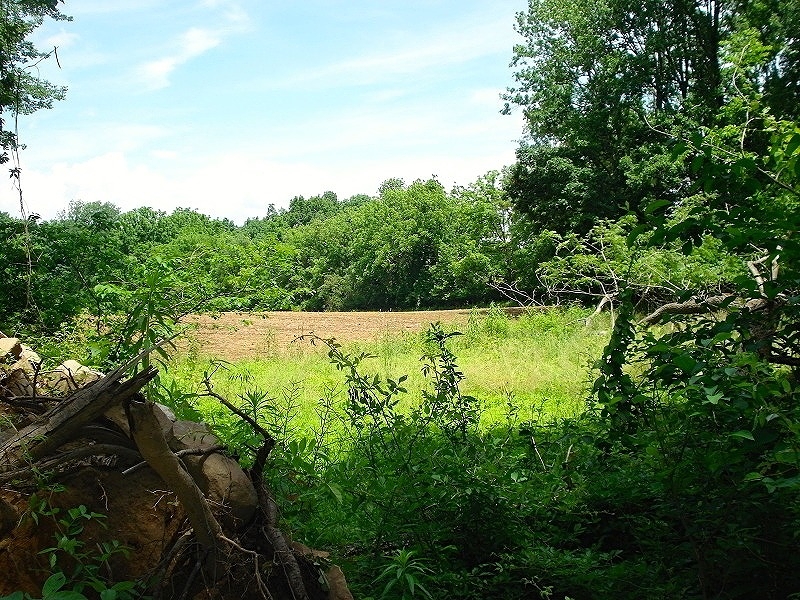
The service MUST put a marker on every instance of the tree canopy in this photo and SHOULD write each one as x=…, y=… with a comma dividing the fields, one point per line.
x=22, y=91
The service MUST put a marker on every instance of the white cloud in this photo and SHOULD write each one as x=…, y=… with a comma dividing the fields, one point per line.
x=80, y=141
x=164, y=154
x=196, y=41
x=191, y=44
x=233, y=185
x=462, y=43
x=62, y=39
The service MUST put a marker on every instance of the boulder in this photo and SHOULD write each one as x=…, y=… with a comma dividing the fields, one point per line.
x=10, y=346
x=17, y=379
x=223, y=481
x=71, y=375
x=188, y=434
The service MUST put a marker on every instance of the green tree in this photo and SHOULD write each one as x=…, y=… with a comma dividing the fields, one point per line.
x=600, y=80
x=711, y=402
x=302, y=211
x=412, y=247
x=21, y=90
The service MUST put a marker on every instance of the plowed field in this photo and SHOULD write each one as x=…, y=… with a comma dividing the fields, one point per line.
x=235, y=336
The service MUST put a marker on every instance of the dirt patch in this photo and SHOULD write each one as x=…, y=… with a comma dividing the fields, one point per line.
x=236, y=335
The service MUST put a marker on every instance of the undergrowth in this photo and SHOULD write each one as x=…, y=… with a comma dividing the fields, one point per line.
x=433, y=499
x=538, y=361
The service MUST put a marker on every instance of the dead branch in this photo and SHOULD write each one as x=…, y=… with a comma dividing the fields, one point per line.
x=689, y=307
x=54, y=462
x=179, y=453
x=146, y=432
x=283, y=553
x=62, y=423
x=513, y=293
x=606, y=299
x=756, y=268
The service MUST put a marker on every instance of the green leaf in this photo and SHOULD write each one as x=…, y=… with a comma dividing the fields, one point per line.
x=636, y=232
x=684, y=362
x=793, y=145
x=656, y=205
x=744, y=435
x=54, y=583
x=678, y=150
x=336, y=491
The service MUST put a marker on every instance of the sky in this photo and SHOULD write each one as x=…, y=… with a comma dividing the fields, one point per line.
x=228, y=106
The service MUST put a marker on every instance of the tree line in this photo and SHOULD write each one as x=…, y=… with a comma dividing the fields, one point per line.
x=408, y=247
x=660, y=174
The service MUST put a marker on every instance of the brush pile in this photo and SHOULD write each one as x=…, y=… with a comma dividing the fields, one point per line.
x=192, y=522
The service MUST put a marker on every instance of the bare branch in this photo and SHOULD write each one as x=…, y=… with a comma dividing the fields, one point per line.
x=690, y=307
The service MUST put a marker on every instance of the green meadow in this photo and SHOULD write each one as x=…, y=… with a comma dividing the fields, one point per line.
x=538, y=366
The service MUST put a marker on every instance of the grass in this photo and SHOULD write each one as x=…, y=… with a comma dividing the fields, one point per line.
x=537, y=365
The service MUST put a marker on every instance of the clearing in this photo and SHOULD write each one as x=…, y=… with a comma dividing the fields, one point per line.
x=239, y=335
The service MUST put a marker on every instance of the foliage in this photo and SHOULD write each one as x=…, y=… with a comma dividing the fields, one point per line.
x=601, y=81
x=413, y=247
x=21, y=91
x=661, y=165
x=407, y=573
x=713, y=402
x=77, y=569
x=600, y=264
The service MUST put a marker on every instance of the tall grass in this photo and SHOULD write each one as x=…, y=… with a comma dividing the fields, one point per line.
x=536, y=365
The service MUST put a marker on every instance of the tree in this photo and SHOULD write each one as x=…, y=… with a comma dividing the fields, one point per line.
x=302, y=211
x=711, y=400
x=21, y=90
x=597, y=78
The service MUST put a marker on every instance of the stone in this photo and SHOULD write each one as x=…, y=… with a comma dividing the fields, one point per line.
x=222, y=480
x=16, y=382
x=71, y=375
x=337, y=585
x=116, y=414
x=188, y=434
x=31, y=356
x=10, y=346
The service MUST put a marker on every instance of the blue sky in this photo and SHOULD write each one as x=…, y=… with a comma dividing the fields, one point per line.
x=226, y=106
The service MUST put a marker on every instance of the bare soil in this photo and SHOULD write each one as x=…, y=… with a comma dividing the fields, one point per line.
x=237, y=335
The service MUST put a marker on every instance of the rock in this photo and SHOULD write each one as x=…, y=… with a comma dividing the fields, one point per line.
x=8, y=517
x=188, y=434
x=334, y=577
x=17, y=380
x=71, y=375
x=30, y=355
x=301, y=548
x=167, y=412
x=222, y=480
x=10, y=346
x=337, y=584
x=116, y=414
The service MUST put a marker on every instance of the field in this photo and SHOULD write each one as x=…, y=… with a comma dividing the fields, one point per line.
x=236, y=336
x=536, y=363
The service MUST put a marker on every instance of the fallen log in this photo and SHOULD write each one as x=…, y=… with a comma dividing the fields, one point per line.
x=62, y=423
x=146, y=432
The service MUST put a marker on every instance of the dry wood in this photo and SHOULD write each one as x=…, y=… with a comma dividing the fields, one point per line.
x=283, y=553
x=146, y=432
x=63, y=422
x=690, y=307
